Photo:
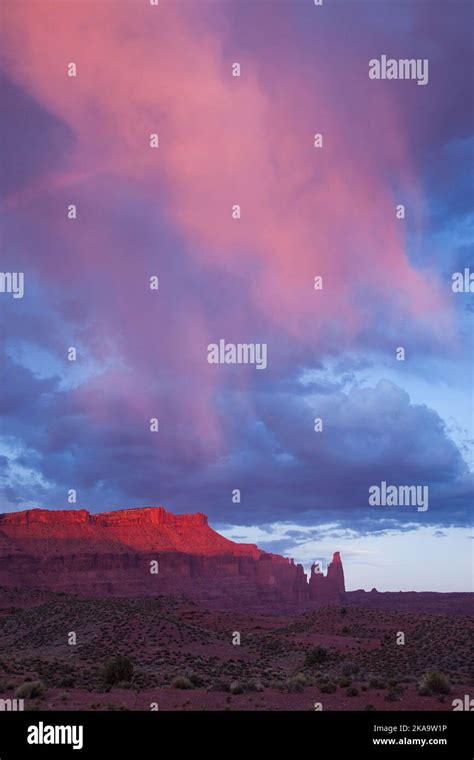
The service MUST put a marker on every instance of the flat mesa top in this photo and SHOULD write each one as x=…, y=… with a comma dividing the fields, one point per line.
x=141, y=515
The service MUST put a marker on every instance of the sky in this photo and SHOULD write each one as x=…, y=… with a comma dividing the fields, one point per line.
x=305, y=212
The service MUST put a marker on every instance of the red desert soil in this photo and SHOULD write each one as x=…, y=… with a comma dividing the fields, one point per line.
x=345, y=658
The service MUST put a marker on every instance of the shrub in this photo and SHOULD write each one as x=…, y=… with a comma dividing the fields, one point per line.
x=377, y=683
x=328, y=687
x=272, y=646
x=394, y=694
x=293, y=685
x=316, y=656
x=7, y=686
x=254, y=685
x=352, y=691
x=434, y=683
x=370, y=708
x=30, y=690
x=181, y=682
x=117, y=669
x=196, y=679
x=67, y=682
x=301, y=678
x=219, y=685
x=235, y=688
x=345, y=681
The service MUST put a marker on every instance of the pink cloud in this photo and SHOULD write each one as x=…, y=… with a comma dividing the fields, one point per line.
x=223, y=141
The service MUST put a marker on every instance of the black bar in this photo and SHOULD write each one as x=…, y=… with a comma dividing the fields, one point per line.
x=136, y=734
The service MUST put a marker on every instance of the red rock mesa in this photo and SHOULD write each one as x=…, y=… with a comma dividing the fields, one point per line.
x=150, y=551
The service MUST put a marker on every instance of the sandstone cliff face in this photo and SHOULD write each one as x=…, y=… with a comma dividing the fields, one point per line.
x=115, y=553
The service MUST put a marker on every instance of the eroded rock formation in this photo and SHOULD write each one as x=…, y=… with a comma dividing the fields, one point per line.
x=151, y=551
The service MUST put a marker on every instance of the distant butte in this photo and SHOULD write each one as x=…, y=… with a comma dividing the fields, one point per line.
x=111, y=554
